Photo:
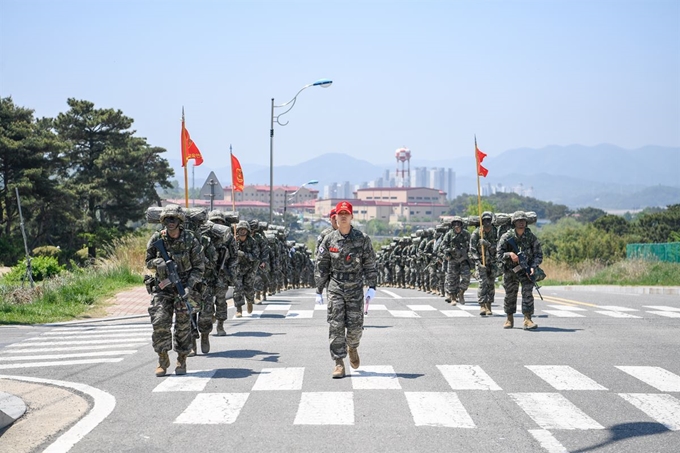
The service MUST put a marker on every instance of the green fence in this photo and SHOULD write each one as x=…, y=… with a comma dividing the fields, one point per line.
x=654, y=252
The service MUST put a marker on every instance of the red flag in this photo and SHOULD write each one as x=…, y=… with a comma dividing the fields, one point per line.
x=189, y=149
x=236, y=174
x=481, y=171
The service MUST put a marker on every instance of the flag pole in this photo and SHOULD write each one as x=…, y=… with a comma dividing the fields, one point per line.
x=184, y=163
x=479, y=205
x=231, y=163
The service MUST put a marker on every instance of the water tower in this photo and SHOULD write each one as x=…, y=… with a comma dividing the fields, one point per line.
x=403, y=155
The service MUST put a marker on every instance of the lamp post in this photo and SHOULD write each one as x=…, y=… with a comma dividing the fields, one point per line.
x=325, y=83
x=285, y=194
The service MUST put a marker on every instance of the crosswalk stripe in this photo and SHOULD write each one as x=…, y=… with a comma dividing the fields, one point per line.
x=554, y=411
x=277, y=307
x=213, y=409
x=72, y=348
x=60, y=332
x=93, y=335
x=567, y=308
x=662, y=308
x=563, y=314
x=193, y=381
x=59, y=363
x=404, y=314
x=655, y=376
x=616, y=314
x=563, y=377
x=390, y=293
x=301, y=314
x=617, y=308
x=438, y=409
x=375, y=378
x=289, y=378
x=325, y=408
x=667, y=314
x=66, y=356
x=665, y=409
x=27, y=344
x=548, y=441
x=467, y=377
x=456, y=314
x=421, y=307
x=96, y=328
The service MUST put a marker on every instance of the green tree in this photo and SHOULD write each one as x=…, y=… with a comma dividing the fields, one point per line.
x=589, y=215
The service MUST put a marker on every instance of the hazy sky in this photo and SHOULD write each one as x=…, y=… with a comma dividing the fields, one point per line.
x=427, y=75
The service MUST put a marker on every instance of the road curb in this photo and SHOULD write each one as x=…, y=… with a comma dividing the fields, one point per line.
x=11, y=409
x=663, y=290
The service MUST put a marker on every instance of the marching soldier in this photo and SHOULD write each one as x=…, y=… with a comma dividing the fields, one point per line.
x=456, y=244
x=487, y=269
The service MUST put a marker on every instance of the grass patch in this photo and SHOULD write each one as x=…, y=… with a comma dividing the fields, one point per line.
x=638, y=273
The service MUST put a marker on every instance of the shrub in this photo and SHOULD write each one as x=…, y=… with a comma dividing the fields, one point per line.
x=42, y=267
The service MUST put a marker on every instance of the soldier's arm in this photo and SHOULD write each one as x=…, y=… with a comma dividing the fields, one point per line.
x=197, y=258
x=368, y=264
x=322, y=270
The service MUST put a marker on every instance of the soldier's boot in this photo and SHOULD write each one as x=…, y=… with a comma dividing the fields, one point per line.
x=220, y=329
x=448, y=298
x=528, y=323
x=205, y=342
x=181, y=367
x=482, y=309
x=239, y=312
x=192, y=353
x=354, y=360
x=339, y=370
x=249, y=306
x=257, y=295
x=163, y=364
x=488, y=309
x=461, y=297
x=509, y=322
x=264, y=296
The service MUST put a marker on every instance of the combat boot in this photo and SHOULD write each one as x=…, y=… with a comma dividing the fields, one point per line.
x=249, y=306
x=510, y=322
x=193, y=347
x=339, y=370
x=181, y=367
x=205, y=343
x=482, y=309
x=461, y=297
x=528, y=323
x=354, y=360
x=488, y=309
x=220, y=329
x=264, y=296
x=239, y=311
x=163, y=364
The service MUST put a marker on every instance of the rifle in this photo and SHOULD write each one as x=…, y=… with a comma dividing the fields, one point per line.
x=524, y=265
x=173, y=276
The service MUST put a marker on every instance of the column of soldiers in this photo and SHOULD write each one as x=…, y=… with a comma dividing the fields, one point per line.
x=206, y=253
x=441, y=261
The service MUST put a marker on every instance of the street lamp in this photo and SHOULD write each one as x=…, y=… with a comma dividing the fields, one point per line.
x=285, y=194
x=325, y=83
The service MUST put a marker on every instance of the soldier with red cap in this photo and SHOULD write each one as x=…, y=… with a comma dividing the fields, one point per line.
x=345, y=263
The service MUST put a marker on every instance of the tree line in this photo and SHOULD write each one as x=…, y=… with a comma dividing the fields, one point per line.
x=84, y=178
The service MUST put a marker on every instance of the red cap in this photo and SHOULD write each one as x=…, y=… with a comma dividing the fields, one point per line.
x=343, y=206
x=332, y=214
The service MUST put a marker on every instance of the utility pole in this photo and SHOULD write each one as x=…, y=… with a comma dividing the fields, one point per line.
x=29, y=271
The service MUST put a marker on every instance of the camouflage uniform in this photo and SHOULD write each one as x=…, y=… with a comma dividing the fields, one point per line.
x=187, y=253
x=456, y=247
x=248, y=259
x=531, y=246
x=345, y=263
x=487, y=272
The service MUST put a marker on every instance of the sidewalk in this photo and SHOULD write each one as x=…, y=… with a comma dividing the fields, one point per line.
x=129, y=303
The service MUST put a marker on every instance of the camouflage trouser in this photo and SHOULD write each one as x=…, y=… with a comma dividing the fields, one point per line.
x=163, y=306
x=263, y=280
x=457, y=277
x=400, y=276
x=345, y=317
x=243, y=286
x=487, y=289
x=511, y=284
x=214, y=303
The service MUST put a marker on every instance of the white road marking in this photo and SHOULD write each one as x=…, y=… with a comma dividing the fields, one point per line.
x=83, y=336
x=662, y=307
x=280, y=379
x=193, y=381
x=655, y=376
x=548, y=441
x=67, y=356
x=277, y=307
x=102, y=328
x=72, y=348
x=616, y=308
x=667, y=314
x=46, y=342
x=325, y=408
x=323, y=307
x=60, y=332
x=456, y=314
x=438, y=409
x=375, y=378
x=665, y=409
x=374, y=307
x=567, y=308
x=103, y=404
x=563, y=377
x=421, y=307
x=402, y=313
x=563, y=314
x=468, y=307
x=616, y=314
x=59, y=363
x=467, y=377
x=554, y=411
x=213, y=409
x=390, y=293
x=300, y=314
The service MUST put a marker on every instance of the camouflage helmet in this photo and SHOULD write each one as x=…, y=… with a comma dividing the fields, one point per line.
x=487, y=215
x=254, y=225
x=264, y=225
x=518, y=215
x=215, y=215
x=457, y=218
x=242, y=225
x=173, y=210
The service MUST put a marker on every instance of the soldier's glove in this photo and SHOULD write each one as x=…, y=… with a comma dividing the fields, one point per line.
x=370, y=294
x=160, y=265
x=241, y=253
x=485, y=243
x=319, y=299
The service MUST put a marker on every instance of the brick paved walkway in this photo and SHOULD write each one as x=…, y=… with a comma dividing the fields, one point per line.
x=131, y=302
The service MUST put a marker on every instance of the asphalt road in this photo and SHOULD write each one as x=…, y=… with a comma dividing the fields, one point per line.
x=601, y=374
